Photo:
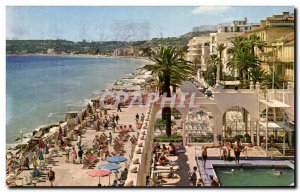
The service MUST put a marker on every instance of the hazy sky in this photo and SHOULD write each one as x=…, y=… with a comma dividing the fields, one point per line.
x=122, y=23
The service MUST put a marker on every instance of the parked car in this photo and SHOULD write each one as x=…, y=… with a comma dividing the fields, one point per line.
x=208, y=93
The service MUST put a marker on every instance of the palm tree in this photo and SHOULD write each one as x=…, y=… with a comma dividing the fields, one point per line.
x=171, y=65
x=257, y=75
x=182, y=51
x=242, y=58
x=213, y=61
x=220, y=48
x=196, y=61
x=254, y=41
x=279, y=82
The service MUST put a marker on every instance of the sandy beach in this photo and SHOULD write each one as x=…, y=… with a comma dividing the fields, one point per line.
x=69, y=174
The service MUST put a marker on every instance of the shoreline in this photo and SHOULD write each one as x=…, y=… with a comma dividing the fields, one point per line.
x=29, y=135
x=146, y=59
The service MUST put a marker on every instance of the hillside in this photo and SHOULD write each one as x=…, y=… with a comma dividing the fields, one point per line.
x=60, y=46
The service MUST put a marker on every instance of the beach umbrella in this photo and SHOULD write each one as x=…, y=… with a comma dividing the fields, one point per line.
x=110, y=166
x=99, y=173
x=116, y=159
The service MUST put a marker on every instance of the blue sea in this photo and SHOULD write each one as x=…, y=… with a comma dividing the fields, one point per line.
x=40, y=89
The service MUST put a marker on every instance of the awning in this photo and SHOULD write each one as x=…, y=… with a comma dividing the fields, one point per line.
x=276, y=126
x=274, y=103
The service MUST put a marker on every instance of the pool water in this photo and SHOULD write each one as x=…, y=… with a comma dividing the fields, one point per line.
x=255, y=176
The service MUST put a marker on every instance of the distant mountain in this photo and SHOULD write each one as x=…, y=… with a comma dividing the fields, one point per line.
x=60, y=46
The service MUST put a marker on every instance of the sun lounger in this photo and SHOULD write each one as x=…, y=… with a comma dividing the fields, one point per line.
x=87, y=164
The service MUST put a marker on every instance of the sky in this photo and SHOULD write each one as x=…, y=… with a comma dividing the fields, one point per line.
x=122, y=23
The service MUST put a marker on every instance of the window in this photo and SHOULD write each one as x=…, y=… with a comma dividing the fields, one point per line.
x=246, y=28
x=237, y=29
x=226, y=29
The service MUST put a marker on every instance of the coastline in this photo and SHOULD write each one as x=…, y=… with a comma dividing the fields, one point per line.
x=146, y=59
x=29, y=135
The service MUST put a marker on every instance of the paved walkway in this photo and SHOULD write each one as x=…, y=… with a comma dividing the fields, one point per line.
x=69, y=174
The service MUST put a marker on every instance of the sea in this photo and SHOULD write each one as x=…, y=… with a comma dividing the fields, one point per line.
x=40, y=89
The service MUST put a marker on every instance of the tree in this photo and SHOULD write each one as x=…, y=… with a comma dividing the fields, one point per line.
x=169, y=63
x=279, y=83
x=257, y=75
x=182, y=51
x=220, y=48
x=196, y=61
x=213, y=61
x=242, y=58
x=254, y=41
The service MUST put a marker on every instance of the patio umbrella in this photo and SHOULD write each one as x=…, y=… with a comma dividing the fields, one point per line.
x=116, y=159
x=109, y=166
x=99, y=173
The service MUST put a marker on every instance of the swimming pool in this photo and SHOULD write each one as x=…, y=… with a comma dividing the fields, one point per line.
x=254, y=176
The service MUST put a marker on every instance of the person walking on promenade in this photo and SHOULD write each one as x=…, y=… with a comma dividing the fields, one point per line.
x=204, y=156
x=80, y=154
x=142, y=117
x=73, y=155
x=67, y=149
x=101, y=149
x=79, y=140
x=119, y=107
x=137, y=117
x=51, y=176
x=113, y=126
x=193, y=176
x=110, y=138
x=117, y=119
x=105, y=124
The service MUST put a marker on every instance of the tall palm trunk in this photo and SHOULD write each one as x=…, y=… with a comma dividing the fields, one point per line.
x=167, y=110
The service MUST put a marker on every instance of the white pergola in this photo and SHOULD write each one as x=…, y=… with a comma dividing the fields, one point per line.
x=271, y=125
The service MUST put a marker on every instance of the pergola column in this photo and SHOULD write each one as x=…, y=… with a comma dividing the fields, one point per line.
x=252, y=131
x=184, y=132
x=257, y=133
